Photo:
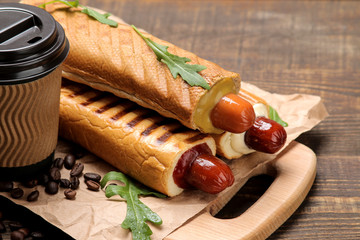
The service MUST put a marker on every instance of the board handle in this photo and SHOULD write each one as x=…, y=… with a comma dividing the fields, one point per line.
x=295, y=173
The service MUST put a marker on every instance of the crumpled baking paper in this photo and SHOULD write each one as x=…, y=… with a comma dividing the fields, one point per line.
x=93, y=216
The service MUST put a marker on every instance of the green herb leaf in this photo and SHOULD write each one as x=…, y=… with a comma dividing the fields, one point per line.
x=137, y=213
x=273, y=115
x=177, y=65
x=68, y=3
x=103, y=18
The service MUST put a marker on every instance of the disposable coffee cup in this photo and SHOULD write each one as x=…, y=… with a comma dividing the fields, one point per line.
x=32, y=47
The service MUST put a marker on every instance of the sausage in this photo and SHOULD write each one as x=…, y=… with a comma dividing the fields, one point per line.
x=209, y=174
x=265, y=135
x=233, y=114
x=198, y=168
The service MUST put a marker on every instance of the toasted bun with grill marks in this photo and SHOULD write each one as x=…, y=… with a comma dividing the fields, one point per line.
x=119, y=61
x=137, y=141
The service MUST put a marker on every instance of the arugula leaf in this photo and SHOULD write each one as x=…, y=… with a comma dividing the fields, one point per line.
x=70, y=4
x=103, y=18
x=137, y=213
x=177, y=65
x=273, y=115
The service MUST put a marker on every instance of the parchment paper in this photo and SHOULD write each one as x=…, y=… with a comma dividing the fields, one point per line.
x=93, y=216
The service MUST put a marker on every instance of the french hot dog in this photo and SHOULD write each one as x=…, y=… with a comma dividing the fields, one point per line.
x=159, y=152
x=119, y=61
x=265, y=135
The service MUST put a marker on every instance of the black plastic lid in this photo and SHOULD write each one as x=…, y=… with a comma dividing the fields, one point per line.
x=32, y=43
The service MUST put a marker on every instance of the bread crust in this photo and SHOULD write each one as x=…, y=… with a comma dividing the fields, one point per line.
x=118, y=60
x=137, y=141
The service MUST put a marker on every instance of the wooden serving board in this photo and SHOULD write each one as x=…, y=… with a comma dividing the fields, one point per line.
x=295, y=170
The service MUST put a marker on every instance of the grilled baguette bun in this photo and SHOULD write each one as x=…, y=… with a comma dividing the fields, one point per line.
x=119, y=61
x=137, y=141
x=232, y=145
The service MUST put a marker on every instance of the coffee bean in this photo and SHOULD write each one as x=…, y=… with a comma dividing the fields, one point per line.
x=25, y=231
x=16, y=193
x=33, y=196
x=79, y=152
x=6, y=186
x=74, y=182
x=58, y=163
x=43, y=179
x=51, y=187
x=17, y=235
x=2, y=227
x=92, y=176
x=77, y=169
x=92, y=185
x=13, y=229
x=37, y=235
x=55, y=174
x=69, y=161
x=70, y=194
x=30, y=183
x=64, y=183
x=15, y=225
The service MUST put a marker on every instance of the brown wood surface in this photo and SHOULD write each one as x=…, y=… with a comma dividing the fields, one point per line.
x=308, y=47
x=286, y=47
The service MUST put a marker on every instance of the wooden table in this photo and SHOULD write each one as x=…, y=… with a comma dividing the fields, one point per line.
x=284, y=47
x=310, y=47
